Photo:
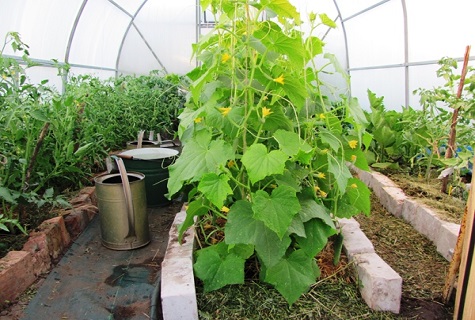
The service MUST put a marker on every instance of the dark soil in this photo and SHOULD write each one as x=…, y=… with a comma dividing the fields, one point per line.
x=32, y=218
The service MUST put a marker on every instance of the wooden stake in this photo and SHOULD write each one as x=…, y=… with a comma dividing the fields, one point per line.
x=455, y=262
x=453, y=126
x=464, y=300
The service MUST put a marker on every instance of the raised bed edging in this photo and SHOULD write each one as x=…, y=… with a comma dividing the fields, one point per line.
x=20, y=269
x=381, y=286
x=178, y=292
x=443, y=234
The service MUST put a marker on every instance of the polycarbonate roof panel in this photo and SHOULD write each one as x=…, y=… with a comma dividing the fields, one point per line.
x=388, y=83
x=98, y=35
x=440, y=28
x=131, y=6
x=351, y=7
x=43, y=25
x=376, y=37
x=135, y=49
x=169, y=27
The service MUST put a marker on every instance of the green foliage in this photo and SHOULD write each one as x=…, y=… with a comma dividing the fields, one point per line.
x=418, y=138
x=52, y=142
x=265, y=153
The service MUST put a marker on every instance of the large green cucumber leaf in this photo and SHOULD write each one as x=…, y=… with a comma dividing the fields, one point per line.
x=215, y=188
x=293, y=275
x=199, y=156
x=260, y=163
x=243, y=228
x=217, y=266
x=276, y=210
x=317, y=233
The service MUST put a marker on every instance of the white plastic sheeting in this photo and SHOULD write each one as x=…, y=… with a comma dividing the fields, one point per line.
x=390, y=47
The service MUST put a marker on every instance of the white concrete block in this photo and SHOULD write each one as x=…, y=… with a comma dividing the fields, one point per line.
x=348, y=223
x=380, y=181
x=381, y=285
x=447, y=239
x=392, y=198
x=427, y=223
x=354, y=240
x=365, y=176
x=178, y=293
x=409, y=208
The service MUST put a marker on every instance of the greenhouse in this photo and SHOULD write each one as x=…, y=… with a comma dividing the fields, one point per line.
x=265, y=159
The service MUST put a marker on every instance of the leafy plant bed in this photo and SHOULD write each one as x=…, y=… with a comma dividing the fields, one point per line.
x=336, y=295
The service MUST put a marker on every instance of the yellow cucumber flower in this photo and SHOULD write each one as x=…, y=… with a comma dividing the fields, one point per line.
x=198, y=120
x=225, y=209
x=322, y=116
x=266, y=112
x=224, y=111
x=280, y=79
x=353, y=144
x=320, y=175
x=225, y=57
x=353, y=158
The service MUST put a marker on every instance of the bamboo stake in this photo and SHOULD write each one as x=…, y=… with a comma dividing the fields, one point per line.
x=453, y=126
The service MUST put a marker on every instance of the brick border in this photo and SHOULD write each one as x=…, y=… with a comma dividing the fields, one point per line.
x=20, y=269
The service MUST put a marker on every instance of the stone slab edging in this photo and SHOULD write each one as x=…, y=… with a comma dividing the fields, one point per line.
x=178, y=292
x=381, y=286
x=45, y=245
x=443, y=234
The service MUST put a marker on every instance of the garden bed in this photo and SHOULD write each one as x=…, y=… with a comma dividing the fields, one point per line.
x=336, y=296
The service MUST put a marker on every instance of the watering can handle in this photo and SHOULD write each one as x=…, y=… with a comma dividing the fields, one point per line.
x=128, y=196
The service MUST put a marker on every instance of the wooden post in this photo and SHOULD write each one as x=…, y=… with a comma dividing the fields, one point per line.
x=455, y=262
x=464, y=300
x=453, y=126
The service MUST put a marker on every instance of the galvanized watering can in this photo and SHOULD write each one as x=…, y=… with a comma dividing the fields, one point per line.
x=122, y=209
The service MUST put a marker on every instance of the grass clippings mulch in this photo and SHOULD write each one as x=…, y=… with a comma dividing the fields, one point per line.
x=336, y=294
x=414, y=258
x=428, y=192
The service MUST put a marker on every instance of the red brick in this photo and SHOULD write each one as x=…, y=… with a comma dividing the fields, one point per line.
x=76, y=222
x=37, y=245
x=16, y=275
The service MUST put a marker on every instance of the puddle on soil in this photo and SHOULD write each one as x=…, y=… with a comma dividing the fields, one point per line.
x=126, y=275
